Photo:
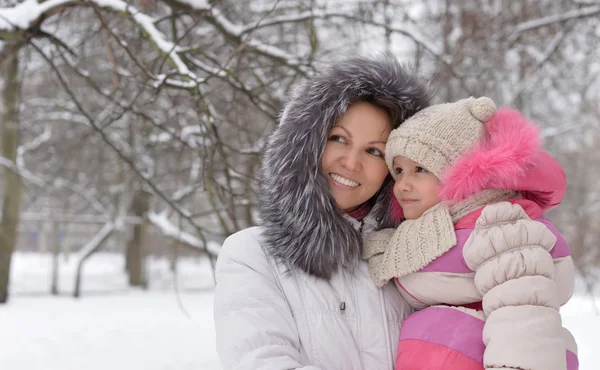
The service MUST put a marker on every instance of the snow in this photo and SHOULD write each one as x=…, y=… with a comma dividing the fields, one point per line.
x=232, y=29
x=165, y=46
x=236, y=31
x=288, y=18
x=274, y=51
x=541, y=22
x=33, y=145
x=112, y=326
x=23, y=172
x=196, y=4
x=100, y=237
x=581, y=315
x=129, y=330
x=166, y=227
x=23, y=15
x=119, y=328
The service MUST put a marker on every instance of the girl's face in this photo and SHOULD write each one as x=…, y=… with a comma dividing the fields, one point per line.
x=416, y=189
x=353, y=160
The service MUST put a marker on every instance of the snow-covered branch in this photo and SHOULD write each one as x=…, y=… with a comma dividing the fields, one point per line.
x=33, y=145
x=60, y=116
x=84, y=192
x=44, y=182
x=95, y=242
x=166, y=227
x=545, y=21
x=413, y=34
x=288, y=18
x=541, y=58
x=186, y=191
x=22, y=172
x=24, y=15
x=56, y=182
x=237, y=32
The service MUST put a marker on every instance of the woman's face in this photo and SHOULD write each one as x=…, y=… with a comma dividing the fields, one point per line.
x=354, y=157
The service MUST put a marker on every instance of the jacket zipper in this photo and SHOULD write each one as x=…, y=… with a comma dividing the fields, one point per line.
x=386, y=330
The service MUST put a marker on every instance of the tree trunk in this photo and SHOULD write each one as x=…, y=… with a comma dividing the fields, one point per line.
x=174, y=256
x=9, y=67
x=136, y=251
x=56, y=248
x=90, y=248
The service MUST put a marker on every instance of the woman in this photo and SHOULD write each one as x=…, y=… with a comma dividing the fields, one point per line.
x=294, y=294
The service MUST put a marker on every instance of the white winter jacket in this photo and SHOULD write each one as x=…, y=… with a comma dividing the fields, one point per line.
x=267, y=317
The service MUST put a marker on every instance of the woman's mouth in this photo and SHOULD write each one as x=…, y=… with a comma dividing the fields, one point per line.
x=343, y=181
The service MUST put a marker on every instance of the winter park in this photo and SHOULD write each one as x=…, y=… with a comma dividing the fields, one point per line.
x=295, y=184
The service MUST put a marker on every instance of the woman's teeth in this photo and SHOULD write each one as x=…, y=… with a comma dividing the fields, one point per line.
x=343, y=180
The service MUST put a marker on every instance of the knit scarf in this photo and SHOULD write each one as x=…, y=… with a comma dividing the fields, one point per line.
x=416, y=243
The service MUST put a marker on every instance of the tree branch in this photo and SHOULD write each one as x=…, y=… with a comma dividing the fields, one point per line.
x=546, y=21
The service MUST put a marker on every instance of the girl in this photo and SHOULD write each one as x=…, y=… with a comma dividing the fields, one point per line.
x=488, y=279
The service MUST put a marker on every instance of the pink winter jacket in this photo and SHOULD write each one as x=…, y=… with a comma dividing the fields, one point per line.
x=488, y=293
x=506, y=278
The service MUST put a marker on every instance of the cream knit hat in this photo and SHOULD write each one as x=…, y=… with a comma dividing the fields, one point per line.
x=436, y=136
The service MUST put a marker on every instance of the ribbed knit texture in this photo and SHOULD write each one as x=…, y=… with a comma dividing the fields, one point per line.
x=436, y=136
x=416, y=243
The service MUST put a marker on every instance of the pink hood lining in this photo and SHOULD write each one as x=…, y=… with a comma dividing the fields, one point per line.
x=499, y=161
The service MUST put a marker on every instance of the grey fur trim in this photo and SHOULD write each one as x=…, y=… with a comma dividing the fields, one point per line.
x=303, y=227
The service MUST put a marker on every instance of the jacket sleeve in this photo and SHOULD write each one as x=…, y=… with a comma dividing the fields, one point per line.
x=253, y=321
x=514, y=272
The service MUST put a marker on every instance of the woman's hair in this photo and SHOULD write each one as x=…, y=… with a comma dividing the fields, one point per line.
x=303, y=226
x=388, y=105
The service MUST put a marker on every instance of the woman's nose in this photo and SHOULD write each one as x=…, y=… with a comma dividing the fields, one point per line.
x=351, y=160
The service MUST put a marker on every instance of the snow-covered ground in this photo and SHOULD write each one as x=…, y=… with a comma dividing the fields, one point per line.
x=118, y=328
x=111, y=327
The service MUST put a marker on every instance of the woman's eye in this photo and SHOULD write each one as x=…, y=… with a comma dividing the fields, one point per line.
x=337, y=138
x=375, y=152
x=420, y=169
x=398, y=171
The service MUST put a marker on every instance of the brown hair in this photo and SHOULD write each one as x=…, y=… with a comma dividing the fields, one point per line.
x=390, y=106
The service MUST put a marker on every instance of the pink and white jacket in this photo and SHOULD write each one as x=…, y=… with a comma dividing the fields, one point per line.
x=506, y=278
x=492, y=300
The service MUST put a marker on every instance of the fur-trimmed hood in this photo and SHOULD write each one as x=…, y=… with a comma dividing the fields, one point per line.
x=509, y=156
x=303, y=227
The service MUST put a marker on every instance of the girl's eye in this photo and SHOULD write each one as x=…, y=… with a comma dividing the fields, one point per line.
x=337, y=138
x=398, y=171
x=375, y=152
x=420, y=170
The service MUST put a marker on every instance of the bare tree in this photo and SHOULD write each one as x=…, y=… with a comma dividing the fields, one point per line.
x=11, y=201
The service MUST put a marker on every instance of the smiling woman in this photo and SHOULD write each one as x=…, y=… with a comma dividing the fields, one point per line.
x=294, y=293
x=353, y=160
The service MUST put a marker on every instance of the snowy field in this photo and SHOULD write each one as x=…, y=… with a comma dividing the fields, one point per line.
x=167, y=327
x=111, y=327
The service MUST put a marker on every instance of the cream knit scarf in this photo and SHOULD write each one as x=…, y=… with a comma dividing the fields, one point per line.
x=416, y=243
